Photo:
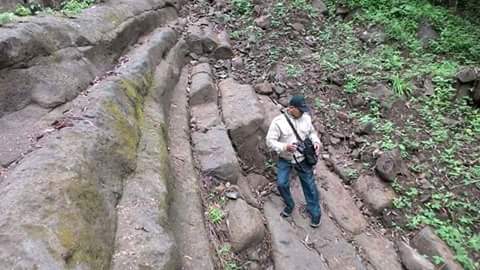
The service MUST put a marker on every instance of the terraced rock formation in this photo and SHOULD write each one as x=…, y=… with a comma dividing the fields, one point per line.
x=115, y=130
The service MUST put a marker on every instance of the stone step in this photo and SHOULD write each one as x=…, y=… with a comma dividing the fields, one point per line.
x=143, y=237
x=328, y=239
x=212, y=146
x=243, y=116
x=339, y=201
x=20, y=128
x=202, y=89
x=186, y=212
x=289, y=252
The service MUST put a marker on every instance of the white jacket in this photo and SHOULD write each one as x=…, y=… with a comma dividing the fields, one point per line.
x=280, y=134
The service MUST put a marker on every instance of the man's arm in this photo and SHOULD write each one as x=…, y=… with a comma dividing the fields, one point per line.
x=314, y=137
x=273, y=135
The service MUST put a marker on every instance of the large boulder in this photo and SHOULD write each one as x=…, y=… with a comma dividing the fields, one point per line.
x=476, y=93
x=426, y=33
x=376, y=194
x=24, y=124
x=389, y=165
x=243, y=116
x=467, y=75
x=411, y=259
x=428, y=243
x=215, y=154
x=245, y=225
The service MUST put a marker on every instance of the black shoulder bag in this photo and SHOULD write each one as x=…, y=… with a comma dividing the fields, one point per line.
x=306, y=146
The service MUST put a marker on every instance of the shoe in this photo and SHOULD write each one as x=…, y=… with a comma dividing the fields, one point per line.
x=286, y=212
x=315, y=222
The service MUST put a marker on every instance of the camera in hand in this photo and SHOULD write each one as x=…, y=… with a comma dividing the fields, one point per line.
x=300, y=147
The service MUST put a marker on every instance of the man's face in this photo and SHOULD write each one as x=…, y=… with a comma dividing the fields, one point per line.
x=294, y=111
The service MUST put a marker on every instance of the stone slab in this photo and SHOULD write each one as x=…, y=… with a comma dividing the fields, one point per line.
x=288, y=250
x=428, y=243
x=243, y=117
x=411, y=259
x=327, y=239
x=339, y=201
x=186, y=212
x=215, y=153
x=380, y=252
x=142, y=236
x=206, y=115
x=202, y=89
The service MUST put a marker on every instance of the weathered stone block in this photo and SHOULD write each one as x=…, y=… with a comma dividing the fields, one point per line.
x=215, y=153
x=411, y=259
x=206, y=115
x=243, y=118
x=246, y=225
x=202, y=89
x=375, y=193
x=380, y=252
x=428, y=243
x=339, y=201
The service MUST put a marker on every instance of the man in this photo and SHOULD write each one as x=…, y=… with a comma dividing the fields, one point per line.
x=281, y=138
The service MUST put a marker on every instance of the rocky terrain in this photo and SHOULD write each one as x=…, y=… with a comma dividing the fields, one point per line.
x=132, y=137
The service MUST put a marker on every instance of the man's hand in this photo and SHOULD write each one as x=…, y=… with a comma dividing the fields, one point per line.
x=291, y=148
x=317, y=149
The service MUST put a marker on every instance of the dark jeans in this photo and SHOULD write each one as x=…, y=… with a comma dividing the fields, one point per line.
x=307, y=179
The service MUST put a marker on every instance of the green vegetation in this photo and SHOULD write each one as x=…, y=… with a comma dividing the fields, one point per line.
x=215, y=214
x=69, y=8
x=226, y=256
x=6, y=17
x=72, y=7
x=21, y=10
x=242, y=7
x=401, y=18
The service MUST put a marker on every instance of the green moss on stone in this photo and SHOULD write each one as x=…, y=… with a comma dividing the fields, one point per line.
x=128, y=134
x=83, y=230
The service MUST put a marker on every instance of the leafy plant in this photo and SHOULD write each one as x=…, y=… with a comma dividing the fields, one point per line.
x=400, y=86
x=294, y=71
x=242, y=7
x=21, y=10
x=215, y=215
x=73, y=7
x=353, y=82
x=6, y=17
